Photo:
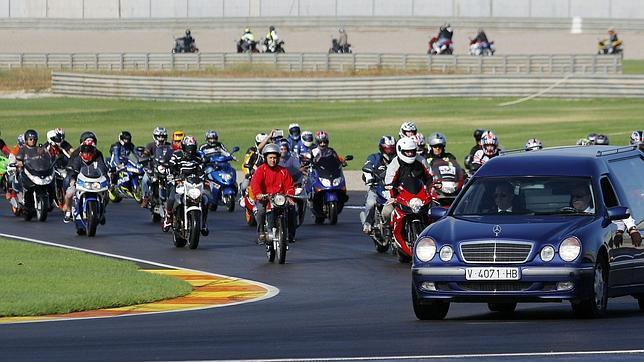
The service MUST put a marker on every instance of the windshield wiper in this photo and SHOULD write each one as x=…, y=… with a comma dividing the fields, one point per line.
x=564, y=211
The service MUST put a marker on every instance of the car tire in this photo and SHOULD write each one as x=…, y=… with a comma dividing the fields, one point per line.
x=595, y=306
x=434, y=310
x=640, y=301
x=502, y=307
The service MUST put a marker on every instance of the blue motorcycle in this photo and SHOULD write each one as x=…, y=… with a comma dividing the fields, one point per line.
x=380, y=231
x=128, y=182
x=222, y=178
x=89, y=203
x=327, y=189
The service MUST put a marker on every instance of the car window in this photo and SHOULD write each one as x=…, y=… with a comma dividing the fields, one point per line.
x=610, y=199
x=554, y=195
x=631, y=181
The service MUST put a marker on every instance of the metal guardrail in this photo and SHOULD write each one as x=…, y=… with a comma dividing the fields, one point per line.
x=462, y=64
x=211, y=89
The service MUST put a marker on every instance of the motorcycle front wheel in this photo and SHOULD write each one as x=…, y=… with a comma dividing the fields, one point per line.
x=92, y=217
x=41, y=208
x=194, y=225
x=281, y=241
x=230, y=204
x=333, y=212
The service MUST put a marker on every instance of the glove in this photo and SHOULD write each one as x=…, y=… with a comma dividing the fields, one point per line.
x=636, y=237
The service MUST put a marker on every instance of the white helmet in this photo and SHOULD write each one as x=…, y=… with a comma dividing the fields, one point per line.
x=53, y=137
x=533, y=144
x=407, y=127
x=637, y=137
x=260, y=138
x=406, y=149
x=307, y=138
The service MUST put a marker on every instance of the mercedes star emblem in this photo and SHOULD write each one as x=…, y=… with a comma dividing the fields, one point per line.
x=496, y=230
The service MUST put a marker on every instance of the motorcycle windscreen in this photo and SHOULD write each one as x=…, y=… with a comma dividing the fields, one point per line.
x=329, y=168
x=411, y=184
x=91, y=171
x=39, y=165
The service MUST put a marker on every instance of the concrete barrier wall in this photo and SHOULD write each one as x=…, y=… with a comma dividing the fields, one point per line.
x=375, y=88
x=164, y=9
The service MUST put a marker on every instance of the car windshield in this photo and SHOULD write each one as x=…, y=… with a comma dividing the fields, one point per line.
x=554, y=195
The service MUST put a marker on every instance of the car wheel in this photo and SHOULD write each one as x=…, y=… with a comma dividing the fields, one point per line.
x=502, y=307
x=640, y=301
x=432, y=310
x=596, y=305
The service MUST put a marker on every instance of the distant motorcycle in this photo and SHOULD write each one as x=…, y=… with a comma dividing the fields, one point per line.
x=605, y=46
x=222, y=178
x=337, y=49
x=276, y=227
x=180, y=46
x=187, y=212
x=88, y=207
x=482, y=48
x=448, y=180
x=277, y=48
x=247, y=46
x=327, y=189
x=440, y=46
x=37, y=179
x=410, y=216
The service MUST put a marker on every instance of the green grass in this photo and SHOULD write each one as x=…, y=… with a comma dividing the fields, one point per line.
x=634, y=66
x=38, y=280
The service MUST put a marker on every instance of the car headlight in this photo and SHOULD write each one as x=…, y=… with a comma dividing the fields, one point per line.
x=194, y=193
x=325, y=182
x=425, y=249
x=446, y=253
x=415, y=204
x=547, y=253
x=337, y=181
x=570, y=249
x=279, y=200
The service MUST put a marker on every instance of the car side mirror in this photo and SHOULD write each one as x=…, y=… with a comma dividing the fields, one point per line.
x=436, y=213
x=618, y=213
x=348, y=158
x=235, y=149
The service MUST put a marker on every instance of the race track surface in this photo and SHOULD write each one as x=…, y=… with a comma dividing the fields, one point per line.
x=337, y=298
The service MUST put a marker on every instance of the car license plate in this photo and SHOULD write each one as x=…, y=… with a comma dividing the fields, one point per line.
x=492, y=273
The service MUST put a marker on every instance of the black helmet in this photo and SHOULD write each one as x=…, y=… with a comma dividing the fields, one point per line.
x=477, y=134
x=125, y=136
x=30, y=133
x=87, y=134
x=271, y=28
x=189, y=145
x=187, y=31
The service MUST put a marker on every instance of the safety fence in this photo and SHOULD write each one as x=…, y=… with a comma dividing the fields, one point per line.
x=459, y=64
x=354, y=88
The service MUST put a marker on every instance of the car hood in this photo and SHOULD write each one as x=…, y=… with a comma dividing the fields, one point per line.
x=535, y=228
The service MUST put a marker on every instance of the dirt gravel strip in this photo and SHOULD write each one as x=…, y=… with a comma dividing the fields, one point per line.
x=208, y=291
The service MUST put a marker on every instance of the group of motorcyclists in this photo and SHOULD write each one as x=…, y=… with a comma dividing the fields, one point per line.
x=270, y=44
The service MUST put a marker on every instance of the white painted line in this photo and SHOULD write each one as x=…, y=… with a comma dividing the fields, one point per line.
x=521, y=100
x=448, y=356
x=272, y=291
x=354, y=207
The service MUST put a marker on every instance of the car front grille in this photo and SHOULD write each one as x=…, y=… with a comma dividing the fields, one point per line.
x=495, y=286
x=495, y=252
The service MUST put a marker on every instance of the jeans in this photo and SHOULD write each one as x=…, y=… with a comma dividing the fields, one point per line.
x=260, y=217
x=368, y=214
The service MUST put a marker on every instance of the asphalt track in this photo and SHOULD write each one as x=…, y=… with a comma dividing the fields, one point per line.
x=338, y=299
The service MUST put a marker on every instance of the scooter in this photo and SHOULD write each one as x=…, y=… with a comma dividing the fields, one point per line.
x=410, y=216
x=88, y=208
x=327, y=189
x=223, y=179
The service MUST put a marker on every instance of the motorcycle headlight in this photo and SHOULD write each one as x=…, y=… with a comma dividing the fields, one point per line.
x=48, y=180
x=194, y=193
x=570, y=249
x=298, y=190
x=547, y=253
x=279, y=200
x=415, y=204
x=95, y=185
x=325, y=182
x=425, y=249
x=337, y=181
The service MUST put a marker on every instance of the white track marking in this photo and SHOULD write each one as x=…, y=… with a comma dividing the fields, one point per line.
x=521, y=100
x=272, y=291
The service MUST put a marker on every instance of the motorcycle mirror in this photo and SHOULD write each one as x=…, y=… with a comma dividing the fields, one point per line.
x=235, y=149
x=437, y=212
x=348, y=158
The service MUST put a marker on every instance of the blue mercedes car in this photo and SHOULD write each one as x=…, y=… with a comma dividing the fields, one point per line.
x=538, y=226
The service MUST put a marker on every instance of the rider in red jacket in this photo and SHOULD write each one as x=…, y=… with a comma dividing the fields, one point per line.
x=271, y=178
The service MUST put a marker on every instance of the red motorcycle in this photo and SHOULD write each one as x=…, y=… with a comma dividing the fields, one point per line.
x=449, y=179
x=446, y=47
x=410, y=216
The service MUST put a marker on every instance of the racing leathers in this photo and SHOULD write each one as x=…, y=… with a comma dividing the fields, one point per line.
x=397, y=172
x=267, y=181
x=120, y=154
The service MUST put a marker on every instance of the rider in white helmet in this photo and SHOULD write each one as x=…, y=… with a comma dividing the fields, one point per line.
x=637, y=139
x=407, y=129
x=489, y=150
x=533, y=144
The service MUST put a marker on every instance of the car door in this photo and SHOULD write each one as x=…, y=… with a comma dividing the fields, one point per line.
x=619, y=255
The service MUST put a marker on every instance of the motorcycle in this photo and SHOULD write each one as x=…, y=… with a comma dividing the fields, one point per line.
x=482, y=48
x=37, y=178
x=4, y=178
x=337, y=49
x=180, y=46
x=157, y=172
x=449, y=179
x=380, y=230
x=278, y=48
x=247, y=46
x=60, y=173
x=440, y=46
x=327, y=189
x=88, y=207
x=605, y=46
x=222, y=178
x=410, y=216
x=128, y=182
x=187, y=212
x=249, y=209
x=276, y=227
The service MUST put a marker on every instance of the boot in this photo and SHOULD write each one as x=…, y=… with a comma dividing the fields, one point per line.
x=167, y=221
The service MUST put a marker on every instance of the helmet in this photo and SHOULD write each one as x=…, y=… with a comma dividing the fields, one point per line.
x=533, y=144
x=601, y=139
x=53, y=138
x=611, y=29
x=591, y=138
x=61, y=133
x=477, y=134
x=189, y=145
x=271, y=28
x=420, y=142
x=160, y=134
x=637, y=137
x=177, y=136
x=187, y=31
x=246, y=30
x=407, y=127
x=341, y=30
x=406, y=149
x=125, y=137
x=294, y=130
x=211, y=137
x=88, y=134
x=321, y=136
x=21, y=140
x=583, y=142
x=488, y=138
x=307, y=138
x=88, y=149
x=30, y=133
x=259, y=138
x=437, y=139
x=387, y=145
x=271, y=148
